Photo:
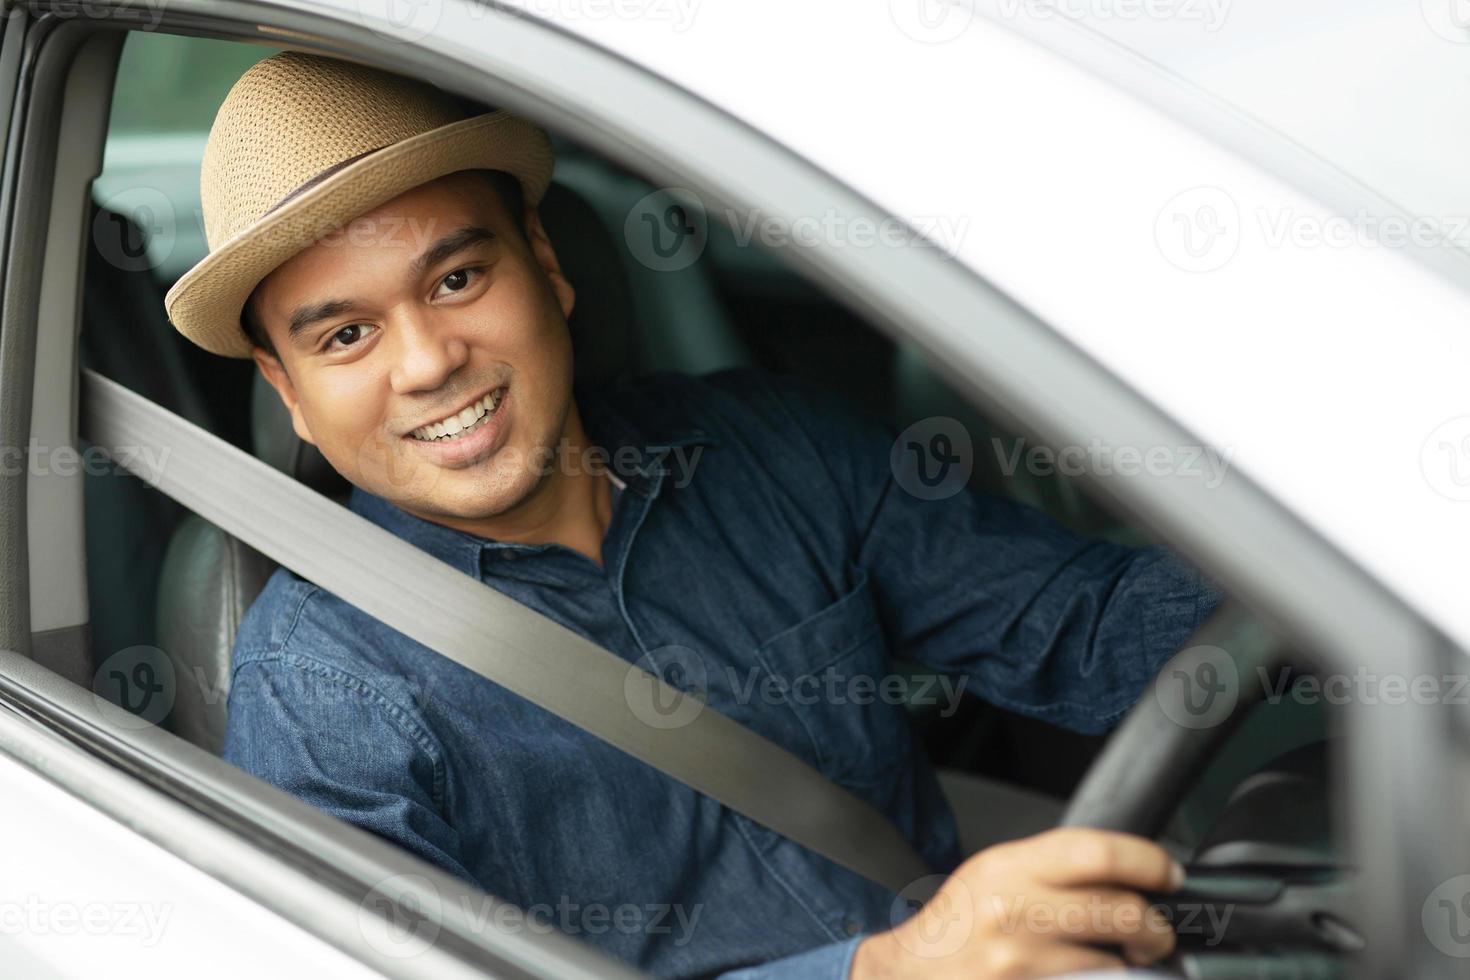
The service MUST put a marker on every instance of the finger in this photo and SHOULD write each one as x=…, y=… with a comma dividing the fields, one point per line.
x=1107, y=917
x=1079, y=856
x=1141, y=928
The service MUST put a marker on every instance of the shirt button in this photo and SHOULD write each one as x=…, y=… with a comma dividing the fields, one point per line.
x=853, y=928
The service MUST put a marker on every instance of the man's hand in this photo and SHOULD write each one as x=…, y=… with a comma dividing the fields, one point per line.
x=1036, y=907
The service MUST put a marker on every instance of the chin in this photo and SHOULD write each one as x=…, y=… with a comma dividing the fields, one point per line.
x=471, y=495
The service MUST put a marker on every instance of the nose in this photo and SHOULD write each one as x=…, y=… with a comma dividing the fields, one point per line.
x=428, y=353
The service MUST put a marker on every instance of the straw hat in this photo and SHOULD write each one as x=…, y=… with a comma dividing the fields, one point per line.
x=303, y=145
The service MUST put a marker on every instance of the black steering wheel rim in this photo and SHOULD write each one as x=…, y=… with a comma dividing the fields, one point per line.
x=1194, y=705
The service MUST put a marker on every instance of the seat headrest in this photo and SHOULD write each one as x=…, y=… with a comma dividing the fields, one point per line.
x=601, y=326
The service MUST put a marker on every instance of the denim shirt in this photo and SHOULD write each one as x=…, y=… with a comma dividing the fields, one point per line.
x=764, y=552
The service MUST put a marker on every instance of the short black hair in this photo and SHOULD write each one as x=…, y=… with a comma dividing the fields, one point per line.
x=506, y=187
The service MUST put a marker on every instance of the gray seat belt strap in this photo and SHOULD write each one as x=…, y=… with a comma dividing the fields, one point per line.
x=512, y=645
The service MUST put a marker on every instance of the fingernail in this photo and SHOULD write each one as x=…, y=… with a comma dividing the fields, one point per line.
x=1176, y=876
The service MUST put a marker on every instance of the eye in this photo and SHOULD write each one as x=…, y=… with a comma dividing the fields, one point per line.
x=458, y=280
x=348, y=336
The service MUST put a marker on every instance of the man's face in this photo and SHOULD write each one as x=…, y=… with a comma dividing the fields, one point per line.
x=429, y=307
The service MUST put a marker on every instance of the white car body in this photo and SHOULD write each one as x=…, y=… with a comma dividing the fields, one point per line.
x=1078, y=225
x=1330, y=375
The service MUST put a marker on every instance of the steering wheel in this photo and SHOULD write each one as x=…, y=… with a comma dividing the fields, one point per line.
x=1258, y=908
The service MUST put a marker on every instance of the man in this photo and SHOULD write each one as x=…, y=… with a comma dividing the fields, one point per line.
x=382, y=260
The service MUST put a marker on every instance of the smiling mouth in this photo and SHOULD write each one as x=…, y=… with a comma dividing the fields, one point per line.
x=467, y=420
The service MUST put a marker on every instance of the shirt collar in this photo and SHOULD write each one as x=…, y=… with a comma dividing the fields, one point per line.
x=641, y=440
x=638, y=452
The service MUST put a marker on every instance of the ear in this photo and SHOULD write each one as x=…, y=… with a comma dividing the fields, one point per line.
x=546, y=258
x=275, y=373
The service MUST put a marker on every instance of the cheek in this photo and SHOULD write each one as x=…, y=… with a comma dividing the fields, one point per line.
x=521, y=323
x=346, y=420
x=522, y=306
x=388, y=465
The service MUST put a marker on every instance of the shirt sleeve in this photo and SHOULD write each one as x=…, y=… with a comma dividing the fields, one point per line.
x=830, y=962
x=1042, y=620
x=332, y=740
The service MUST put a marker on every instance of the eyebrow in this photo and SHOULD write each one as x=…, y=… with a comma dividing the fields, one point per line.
x=312, y=313
x=309, y=314
x=450, y=244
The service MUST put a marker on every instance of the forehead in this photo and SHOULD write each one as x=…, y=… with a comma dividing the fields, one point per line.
x=392, y=234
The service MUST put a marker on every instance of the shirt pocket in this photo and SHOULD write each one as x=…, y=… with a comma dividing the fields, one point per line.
x=830, y=670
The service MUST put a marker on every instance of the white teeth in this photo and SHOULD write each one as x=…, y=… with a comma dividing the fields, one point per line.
x=459, y=422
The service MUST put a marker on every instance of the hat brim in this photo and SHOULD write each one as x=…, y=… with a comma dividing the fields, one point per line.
x=205, y=304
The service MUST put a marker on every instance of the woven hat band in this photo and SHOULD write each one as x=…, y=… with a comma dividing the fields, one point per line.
x=319, y=178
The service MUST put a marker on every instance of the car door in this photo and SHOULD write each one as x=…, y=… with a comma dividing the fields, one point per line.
x=301, y=872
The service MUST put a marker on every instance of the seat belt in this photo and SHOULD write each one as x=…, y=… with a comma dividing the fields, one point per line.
x=472, y=624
